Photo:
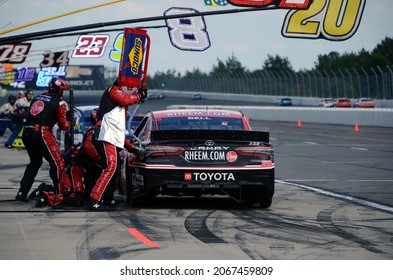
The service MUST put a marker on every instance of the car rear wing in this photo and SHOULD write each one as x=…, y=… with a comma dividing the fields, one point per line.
x=230, y=135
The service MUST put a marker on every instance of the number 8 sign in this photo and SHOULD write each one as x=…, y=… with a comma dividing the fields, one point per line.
x=187, y=33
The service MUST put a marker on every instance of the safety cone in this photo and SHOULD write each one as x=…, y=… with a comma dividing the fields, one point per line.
x=18, y=143
x=299, y=123
x=356, y=127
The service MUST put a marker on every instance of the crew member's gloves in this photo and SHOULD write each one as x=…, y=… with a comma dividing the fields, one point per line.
x=142, y=93
x=133, y=150
x=136, y=151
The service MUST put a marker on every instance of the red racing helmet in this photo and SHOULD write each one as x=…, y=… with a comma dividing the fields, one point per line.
x=57, y=85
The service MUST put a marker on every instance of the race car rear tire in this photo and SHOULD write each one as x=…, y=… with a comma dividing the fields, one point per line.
x=139, y=200
x=257, y=196
x=128, y=186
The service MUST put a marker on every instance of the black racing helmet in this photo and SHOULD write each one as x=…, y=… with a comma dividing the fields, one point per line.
x=57, y=85
x=12, y=99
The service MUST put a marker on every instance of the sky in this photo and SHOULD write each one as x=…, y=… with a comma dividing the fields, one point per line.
x=250, y=36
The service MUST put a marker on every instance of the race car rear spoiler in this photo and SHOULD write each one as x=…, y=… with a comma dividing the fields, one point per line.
x=230, y=135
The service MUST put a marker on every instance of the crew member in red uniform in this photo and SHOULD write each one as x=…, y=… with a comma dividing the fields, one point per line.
x=80, y=178
x=87, y=157
x=109, y=139
x=78, y=175
x=84, y=170
x=45, y=111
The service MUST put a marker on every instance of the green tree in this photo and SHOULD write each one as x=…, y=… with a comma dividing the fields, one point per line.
x=196, y=73
x=383, y=52
x=277, y=63
x=160, y=79
x=232, y=67
x=326, y=61
x=382, y=55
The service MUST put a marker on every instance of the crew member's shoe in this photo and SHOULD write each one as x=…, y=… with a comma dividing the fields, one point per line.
x=41, y=188
x=8, y=146
x=21, y=197
x=111, y=203
x=95, y=205
x=42, y=201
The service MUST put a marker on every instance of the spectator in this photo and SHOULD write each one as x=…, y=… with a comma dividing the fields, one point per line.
x=6, y=110
x=18, y=118
x=109, y=138
x=24, y=102
x=45, y=111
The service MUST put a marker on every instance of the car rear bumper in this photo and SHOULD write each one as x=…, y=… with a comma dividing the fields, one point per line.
x=209, y=180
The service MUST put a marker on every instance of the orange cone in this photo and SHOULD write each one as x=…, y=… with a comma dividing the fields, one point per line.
x=299, y=123
x=356, y=127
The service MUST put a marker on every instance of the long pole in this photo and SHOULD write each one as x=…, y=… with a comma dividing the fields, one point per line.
x=59, y=16
x=39, y=34
x=72, y=116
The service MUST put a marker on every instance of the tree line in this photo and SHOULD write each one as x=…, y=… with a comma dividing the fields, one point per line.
x=380, y=56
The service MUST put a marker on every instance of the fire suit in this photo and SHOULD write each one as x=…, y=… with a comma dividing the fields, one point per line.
x=45, y=111
x=109, y=138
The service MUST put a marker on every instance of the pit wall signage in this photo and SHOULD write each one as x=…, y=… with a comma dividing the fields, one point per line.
x=334, y=20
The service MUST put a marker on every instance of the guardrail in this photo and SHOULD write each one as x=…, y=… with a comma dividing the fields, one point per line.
x=342, y=116
x=382, y=117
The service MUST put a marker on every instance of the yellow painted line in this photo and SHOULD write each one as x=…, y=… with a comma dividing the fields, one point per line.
x=60, y=15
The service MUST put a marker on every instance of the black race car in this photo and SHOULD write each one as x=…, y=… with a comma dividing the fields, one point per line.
x=191, y=152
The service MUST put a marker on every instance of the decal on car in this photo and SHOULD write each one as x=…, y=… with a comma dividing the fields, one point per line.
x=205, y=176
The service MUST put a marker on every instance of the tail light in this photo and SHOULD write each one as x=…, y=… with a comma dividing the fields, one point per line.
x=255, y=151
x=160, y=151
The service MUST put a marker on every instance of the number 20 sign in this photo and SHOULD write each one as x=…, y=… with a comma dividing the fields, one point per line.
x=334, y=20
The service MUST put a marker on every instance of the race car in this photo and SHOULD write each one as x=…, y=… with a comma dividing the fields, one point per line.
x=192, y=152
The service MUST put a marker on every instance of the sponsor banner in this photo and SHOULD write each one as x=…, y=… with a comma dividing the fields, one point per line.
x=79, y=77
x=134, y=58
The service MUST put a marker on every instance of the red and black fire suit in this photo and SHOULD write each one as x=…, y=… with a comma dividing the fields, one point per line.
x=45, y=111
x=109, y=138
x=82, y=175
x=83, y=170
